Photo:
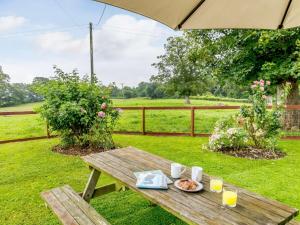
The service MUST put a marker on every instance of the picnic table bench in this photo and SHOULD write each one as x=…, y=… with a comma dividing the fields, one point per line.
x=203, y=208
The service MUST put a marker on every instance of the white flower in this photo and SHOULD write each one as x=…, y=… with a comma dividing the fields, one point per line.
x=215, y=137
x=231, y=131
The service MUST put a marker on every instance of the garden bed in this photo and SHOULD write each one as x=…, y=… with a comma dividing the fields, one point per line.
x=76, y=150
x=254, y=153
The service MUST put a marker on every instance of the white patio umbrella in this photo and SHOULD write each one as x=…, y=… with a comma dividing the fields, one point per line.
x=208, y=14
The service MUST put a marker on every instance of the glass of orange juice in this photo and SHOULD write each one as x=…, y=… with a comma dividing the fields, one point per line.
x=216, y=185
x=229, y=197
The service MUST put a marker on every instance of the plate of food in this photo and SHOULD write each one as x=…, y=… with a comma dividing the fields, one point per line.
x=188, y=185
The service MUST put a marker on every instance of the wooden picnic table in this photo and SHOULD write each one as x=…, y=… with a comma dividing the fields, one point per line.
x=202, y=208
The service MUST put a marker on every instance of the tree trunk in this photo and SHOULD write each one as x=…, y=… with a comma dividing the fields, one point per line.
x=292, y=117
x=187, y=100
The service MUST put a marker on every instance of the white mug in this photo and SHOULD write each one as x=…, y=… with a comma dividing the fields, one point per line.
x=197, y=173
x=177, y=170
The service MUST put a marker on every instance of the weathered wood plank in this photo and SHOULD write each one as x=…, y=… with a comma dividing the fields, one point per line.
x=244, y=201
x=181, y=200
x=284, y=208
x=149, y=193
x=88, y=210
x=71, y=207
x=55, y=205
x=103, y=190
x=91, y=184
x=265, y=210
x=293, y=222
x=203, y=208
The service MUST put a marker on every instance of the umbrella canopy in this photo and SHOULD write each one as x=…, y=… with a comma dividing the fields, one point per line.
x=209, y=14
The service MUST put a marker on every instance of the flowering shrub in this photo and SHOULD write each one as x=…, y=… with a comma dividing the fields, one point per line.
x=262, y=125
x=254, y=125
x=78, y=111
x=226, y=136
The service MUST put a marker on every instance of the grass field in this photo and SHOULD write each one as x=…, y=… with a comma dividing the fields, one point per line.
x=156, y=121
x=28, y=168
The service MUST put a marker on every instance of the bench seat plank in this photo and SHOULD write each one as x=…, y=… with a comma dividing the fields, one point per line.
x=70, y=208
x=293, y=222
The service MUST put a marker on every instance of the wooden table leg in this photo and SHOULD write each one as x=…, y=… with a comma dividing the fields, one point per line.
x=91, y=184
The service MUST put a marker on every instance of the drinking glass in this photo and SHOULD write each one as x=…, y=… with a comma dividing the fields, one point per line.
x=229, y=197
x=216, y=185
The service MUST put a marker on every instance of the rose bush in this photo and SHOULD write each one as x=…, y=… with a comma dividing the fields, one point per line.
x=78, y=111
x=255, y=125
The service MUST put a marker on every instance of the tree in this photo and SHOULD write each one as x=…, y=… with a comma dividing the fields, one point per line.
x=141, y=89
x=40, y=80
x=4, y=89
x=248, y=55
x=179, y=71
x=128, y=92
x=154, y=90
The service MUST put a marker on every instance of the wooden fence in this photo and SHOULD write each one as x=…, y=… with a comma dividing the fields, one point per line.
x=143, y=131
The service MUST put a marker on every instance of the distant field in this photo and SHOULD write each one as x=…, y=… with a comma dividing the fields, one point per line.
x=159, y=120
x=12, y=127
x=24, y=107
x=167, y=102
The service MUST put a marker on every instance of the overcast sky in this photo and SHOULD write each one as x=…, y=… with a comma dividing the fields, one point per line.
x=35, y=35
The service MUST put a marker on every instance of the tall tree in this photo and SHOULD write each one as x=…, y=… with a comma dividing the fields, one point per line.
x=6, y=97
x=179, y=71
x=247, y=55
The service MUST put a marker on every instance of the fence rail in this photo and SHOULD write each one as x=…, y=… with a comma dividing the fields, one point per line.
x=143, y=131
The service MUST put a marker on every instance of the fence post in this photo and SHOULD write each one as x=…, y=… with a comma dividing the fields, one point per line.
x=47, y=128
x=143, y=121
x=193, y=121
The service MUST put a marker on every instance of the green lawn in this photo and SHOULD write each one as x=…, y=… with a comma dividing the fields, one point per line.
x=28, y=168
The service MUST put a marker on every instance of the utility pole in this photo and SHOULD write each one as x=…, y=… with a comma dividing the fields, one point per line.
x=92, y=54
x=122, y=85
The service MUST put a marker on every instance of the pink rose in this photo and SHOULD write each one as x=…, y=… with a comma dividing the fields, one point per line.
x=268, y=82
x=262, y=83
x=103, y=106
x=253, y=86
x=101, y=114
x=262, y=88
x=256, y=82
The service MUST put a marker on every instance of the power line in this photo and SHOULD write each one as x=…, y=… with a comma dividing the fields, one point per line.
x=66, y=12
x=123, y=30
x=33, y=32
x=131, y=31
x=101, y=16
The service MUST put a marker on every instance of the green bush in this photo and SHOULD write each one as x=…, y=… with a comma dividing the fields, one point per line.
x=78, y=111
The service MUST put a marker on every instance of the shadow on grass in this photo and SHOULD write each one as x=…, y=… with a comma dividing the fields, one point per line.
x=129, y=208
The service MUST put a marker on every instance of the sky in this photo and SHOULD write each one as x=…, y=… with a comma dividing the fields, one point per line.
x=35, y=35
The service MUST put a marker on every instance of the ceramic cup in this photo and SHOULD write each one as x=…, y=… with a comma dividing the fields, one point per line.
x=197, y=173
x=177, y=170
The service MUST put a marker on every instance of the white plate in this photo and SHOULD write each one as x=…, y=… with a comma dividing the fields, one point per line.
x=199, y=186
